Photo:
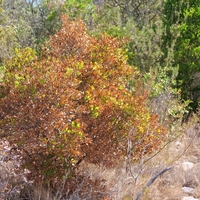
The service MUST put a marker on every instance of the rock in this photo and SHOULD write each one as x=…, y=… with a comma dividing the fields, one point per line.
x=187, y=165
x=187, y=189
x=189, y=198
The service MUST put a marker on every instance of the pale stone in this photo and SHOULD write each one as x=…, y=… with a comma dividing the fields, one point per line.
x=189, y=198
x=187, y=165
x=187, y=189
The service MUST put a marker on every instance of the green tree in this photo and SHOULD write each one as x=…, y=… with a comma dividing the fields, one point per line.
x=142, y=12
x=184, y=17
x=97, y=16
x=45, y=18
x=7, y=36
x=33, y=21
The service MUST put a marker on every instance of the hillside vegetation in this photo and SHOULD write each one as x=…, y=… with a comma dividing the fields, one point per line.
x=93, y=90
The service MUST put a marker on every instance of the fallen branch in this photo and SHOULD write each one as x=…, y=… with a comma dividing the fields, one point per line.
x=151, y=181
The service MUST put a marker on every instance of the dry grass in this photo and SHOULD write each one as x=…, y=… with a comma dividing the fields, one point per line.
x=185, y=148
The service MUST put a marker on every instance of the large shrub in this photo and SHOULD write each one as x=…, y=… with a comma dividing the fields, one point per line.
x=72, y=102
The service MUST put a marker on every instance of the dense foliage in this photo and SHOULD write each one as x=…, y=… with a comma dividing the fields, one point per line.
x=73, y=102
x=184, y=17
x=7, y=36
x=72, y=88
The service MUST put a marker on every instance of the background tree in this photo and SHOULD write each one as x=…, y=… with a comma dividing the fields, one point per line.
x=97, y=16
x=141, y=11
x=33, y=21
x=184, y=16
x=7, y=36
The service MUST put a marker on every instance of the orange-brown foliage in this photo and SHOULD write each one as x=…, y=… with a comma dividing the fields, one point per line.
x=73, y=102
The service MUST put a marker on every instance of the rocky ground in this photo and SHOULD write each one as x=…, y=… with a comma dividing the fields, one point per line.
x=181, y=182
